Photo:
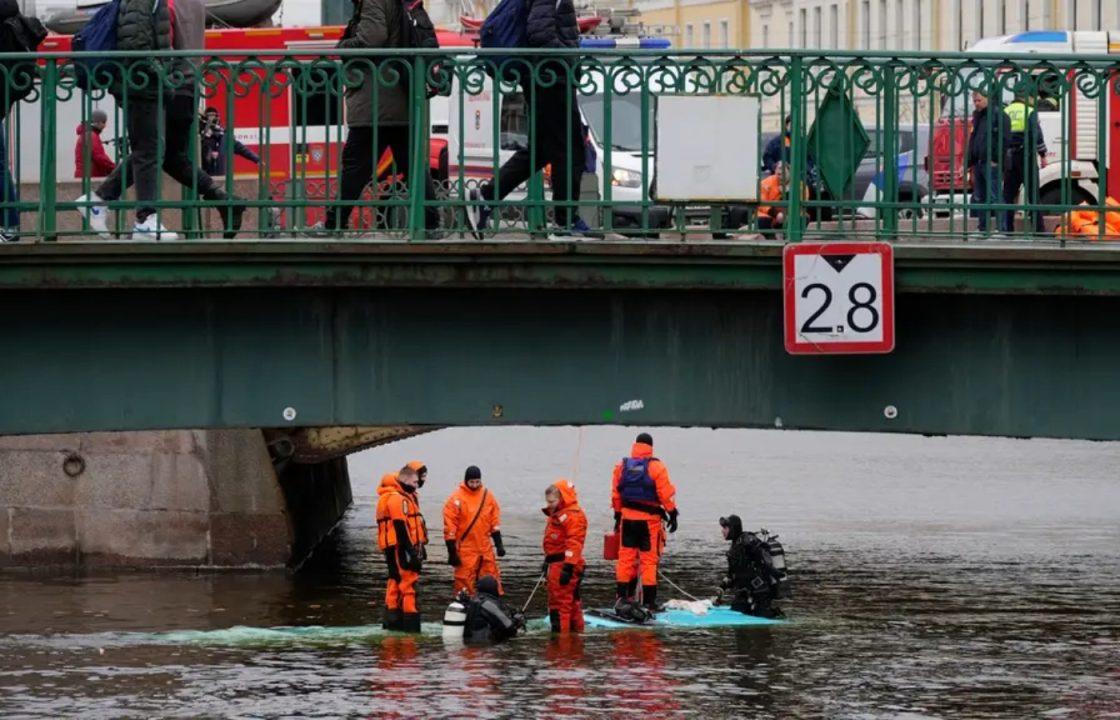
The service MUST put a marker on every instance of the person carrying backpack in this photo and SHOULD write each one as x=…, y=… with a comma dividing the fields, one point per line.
x=377, y=24
x=557, y=138
x=141, y=25
x=18, y=34
x=188, y=25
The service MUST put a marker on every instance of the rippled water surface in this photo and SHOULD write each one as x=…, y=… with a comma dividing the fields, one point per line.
x=933, y=578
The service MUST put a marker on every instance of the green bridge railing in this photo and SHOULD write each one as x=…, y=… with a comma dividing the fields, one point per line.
x=859, y=144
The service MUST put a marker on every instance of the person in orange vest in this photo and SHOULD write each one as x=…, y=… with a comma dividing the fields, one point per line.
x=421, y=477
x=642, y=496
x=564, y=536
x=472, y=531
x=399, y=533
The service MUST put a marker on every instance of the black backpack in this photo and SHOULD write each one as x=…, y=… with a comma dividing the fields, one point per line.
x=418, y=31
x=20, y=34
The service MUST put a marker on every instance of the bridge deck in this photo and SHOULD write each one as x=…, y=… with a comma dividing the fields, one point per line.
x=986, y=266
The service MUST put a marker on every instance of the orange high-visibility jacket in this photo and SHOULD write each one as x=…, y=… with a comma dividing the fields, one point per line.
x=566, y=529
x=461, y=508
x=666, y=493
x=393, y=503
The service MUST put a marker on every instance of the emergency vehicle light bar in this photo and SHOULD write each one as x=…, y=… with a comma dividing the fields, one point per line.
x=612, y=43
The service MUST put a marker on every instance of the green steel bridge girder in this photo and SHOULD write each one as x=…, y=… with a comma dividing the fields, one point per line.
x=1019, y=341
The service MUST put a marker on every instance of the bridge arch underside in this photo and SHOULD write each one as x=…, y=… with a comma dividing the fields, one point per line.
x=276, y=357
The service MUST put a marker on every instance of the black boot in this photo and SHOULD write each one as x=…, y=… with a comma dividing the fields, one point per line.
x=622, y=591
x=554, y=620
x=392, y=619
x=232, y=215
x=410, y=623
x=632, y=588
x=649, y=597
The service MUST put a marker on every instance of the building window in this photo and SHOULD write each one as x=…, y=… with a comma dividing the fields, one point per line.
x=689, y=38
x=765, y=35
x=804, y=14
x=707, y=34
x=817, y=39
x=1002, y=17
x=1099, y=25
x=882, y=24
x=1027, y=16
x=865, y=25
x=834, y=27
x=789, y=38
x=899, y=24
x=918, y=16
x=724, y=35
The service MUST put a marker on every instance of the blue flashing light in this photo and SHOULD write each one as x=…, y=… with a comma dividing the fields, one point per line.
x=1040, y=36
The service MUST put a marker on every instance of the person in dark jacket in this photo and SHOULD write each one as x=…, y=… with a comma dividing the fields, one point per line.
x=188, y=32
x=990, y=130
x=489, y=620
x=1026, y=150
x=212, y=139
x=751, y=581
x=18, y=34
x=557, y=138
x=778, y=148
x=375, y=24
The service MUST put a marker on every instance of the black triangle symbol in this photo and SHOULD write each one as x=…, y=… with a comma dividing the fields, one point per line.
x=838, y=262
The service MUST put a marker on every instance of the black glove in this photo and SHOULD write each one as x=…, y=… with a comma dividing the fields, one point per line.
x=496, y=536
x=617, y=521
x=410, y=560
x=673, y=521
x=518, y=620
x=544, y=567
x=453, y=554
x=566, y=573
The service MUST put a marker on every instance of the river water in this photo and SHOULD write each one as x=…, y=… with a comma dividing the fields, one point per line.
x=933, y=578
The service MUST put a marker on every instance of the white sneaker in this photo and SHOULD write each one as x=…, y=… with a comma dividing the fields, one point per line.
x=96, y=213
x=152, y=230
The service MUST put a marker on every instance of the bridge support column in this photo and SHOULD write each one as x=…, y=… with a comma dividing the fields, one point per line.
x=161, y=498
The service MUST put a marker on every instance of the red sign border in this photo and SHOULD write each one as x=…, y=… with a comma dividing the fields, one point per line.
x=793, y=347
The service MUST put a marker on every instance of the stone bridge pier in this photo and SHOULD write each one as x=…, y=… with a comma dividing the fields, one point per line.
x=174, y=498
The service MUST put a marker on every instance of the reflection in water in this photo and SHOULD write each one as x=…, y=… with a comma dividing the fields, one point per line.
x=932, y=577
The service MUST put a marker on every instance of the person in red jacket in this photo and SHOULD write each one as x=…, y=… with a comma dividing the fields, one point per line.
x=642, y=496
x=564, y=536
x=100, y=164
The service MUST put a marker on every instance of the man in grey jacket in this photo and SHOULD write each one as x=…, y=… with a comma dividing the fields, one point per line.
x=141, y=25
x=188, y=26
x=375, y=24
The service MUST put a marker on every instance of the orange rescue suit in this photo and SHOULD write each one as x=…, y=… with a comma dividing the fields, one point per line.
x=399, y=535
x=471, y=537
x=564, y=536
x=643, y=537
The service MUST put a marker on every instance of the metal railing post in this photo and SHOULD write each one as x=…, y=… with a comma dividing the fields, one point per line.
x=419, y=150
x=48, y=185
x=890, y=153
x=797, y=148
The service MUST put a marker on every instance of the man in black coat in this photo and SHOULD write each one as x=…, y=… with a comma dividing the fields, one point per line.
x=990, y=132
x=557, y=138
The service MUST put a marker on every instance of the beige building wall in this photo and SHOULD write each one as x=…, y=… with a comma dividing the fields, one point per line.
x=701, y=25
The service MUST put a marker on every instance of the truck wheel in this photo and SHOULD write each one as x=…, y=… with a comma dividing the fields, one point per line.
x=1052, y=195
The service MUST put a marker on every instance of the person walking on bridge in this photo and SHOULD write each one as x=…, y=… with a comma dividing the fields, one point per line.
x=400, y=535
x=564, y=538
x=642, y=495
x=473, y=533
x=1026, y=150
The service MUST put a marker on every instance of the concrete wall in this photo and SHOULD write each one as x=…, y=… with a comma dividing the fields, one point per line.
x=161, y=498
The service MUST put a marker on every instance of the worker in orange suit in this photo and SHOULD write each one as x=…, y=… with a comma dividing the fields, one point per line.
x=473, y=533
x=421, y=477
x=564, y=536
x=642, y=497
x=399, y=534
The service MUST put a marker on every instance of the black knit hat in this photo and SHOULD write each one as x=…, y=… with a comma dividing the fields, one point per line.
x=645, y=438
x=472, y=473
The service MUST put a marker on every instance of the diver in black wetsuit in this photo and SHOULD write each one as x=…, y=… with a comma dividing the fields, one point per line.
x=489, y=620
x=753, y=581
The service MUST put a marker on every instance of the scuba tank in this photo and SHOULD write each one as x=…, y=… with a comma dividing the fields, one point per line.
x=454, y=620
x=777, y=556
